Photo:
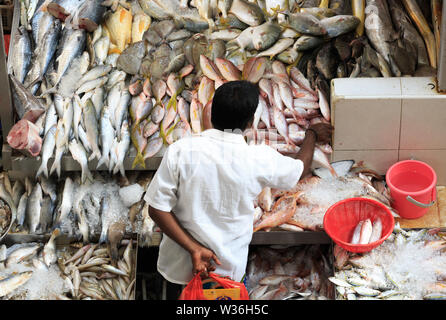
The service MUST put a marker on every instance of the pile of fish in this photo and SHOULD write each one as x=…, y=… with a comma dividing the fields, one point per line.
x=367, y=232
x=290, y=273
x=90, y=76
x=409, y=265
x=105, y=209
x=304, y=206
x=5, y=217
x=30, y=272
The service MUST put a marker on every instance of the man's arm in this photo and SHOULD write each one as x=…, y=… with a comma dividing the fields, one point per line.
x=320, y=132
x=169, y=225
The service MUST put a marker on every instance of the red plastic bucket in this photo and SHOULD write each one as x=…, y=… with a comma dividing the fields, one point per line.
x=341, y=219
x=412, y=186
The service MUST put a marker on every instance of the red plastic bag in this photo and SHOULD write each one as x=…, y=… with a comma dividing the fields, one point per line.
x=194, y=290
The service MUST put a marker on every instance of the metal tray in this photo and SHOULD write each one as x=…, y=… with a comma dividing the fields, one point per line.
x=290, y=238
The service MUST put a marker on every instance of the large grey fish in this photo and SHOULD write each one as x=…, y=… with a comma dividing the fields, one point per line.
x=40, y=23
x=46, y=215
x=71, y=45
x=33, y=208
x=42, y=57
x=25, y=104
x=49, y=143
x=340, y=24
x=306, y=23
x=21, y=59
x=404, y=26
x=130, y=59
x=91, y=126
x=380, y=31
x=11, y=283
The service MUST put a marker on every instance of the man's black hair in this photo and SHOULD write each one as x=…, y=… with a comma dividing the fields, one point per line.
x=234, y=105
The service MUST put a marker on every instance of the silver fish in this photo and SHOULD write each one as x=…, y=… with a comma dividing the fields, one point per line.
x=21, y=59
x=67, y=200
x=91, y=125
x=71, y=45
x=42, y=56
x=11, y=283
x=122, y=148
x=33, y=208
x=21, y=210
x=47, y=150
x=107, y=134
x=80, y=155
x=60, y=148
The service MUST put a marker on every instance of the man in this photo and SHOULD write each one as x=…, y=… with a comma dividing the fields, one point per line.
x=202, y=195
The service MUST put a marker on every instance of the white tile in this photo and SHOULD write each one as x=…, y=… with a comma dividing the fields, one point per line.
x=363, y=123
x=423, y=123
x=378, y=160
x=435, y=158
x=366, y=87
x=420, y=87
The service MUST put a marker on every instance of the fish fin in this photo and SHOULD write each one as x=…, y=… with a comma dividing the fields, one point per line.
x=86, y=174
x=139, y=159
x=103, y=237
x=42, y=169
x=104, y=159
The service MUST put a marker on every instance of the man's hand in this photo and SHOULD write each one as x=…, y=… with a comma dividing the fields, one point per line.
x=323, y=132
x=202, y=260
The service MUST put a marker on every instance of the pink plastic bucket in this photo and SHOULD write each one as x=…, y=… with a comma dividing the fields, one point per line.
x=412, y=186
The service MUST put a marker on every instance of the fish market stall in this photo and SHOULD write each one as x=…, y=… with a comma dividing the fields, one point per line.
x=94, y=91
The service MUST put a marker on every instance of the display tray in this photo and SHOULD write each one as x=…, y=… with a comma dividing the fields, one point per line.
x=290, y=237
x=64, y=241
x=14, y=162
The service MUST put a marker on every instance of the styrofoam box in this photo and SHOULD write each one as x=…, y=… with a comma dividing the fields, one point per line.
x=384, y=120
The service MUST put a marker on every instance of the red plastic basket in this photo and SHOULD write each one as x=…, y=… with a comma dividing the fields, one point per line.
x=341, y=219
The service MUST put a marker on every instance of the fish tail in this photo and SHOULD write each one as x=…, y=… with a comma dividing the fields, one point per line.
x=139, y=159
x=103, y=237
x=104, y=159
x=42, y=169
x=86, y=174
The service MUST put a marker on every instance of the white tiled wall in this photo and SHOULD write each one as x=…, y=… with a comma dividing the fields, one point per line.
x=383, y=120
